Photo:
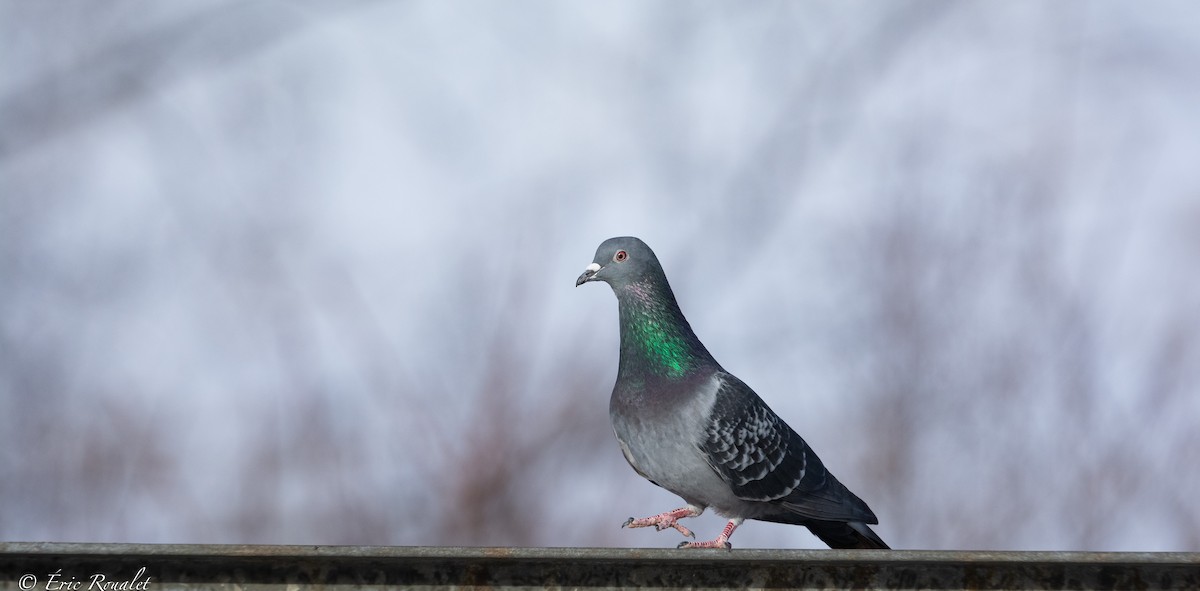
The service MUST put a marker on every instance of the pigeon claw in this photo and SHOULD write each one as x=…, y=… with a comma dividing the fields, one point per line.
x=681, y=529
x=722, y=540
x=659, y=522
x=717, y=543
x=687, y=533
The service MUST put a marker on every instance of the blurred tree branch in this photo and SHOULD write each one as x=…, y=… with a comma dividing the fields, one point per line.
x=131, y=67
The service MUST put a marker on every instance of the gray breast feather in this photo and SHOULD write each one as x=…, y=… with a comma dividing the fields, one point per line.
x=660, y=435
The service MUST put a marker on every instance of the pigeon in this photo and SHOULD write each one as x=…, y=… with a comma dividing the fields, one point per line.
x=687, y=425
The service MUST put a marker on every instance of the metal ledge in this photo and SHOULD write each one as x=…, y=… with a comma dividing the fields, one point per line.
x=74, y=567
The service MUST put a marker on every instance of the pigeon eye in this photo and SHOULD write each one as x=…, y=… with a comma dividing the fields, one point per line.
x=620, y=256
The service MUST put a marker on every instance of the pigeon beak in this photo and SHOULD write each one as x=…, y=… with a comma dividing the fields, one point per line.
x=588, y=274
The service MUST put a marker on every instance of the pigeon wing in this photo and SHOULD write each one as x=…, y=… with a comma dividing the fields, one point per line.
x=763, y=459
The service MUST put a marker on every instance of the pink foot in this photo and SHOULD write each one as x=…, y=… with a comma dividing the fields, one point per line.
x=722, y=540
x=669, y=519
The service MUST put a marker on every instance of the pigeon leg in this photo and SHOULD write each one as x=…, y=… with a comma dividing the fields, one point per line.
x=722, y=540
x=669, y=519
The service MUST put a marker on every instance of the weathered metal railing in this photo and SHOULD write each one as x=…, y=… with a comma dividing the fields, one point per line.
x=127, y=567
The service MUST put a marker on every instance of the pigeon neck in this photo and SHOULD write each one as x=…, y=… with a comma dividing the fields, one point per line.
x=655, y=337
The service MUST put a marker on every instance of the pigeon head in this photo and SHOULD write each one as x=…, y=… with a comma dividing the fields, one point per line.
x=656, y=340
x=622, y=261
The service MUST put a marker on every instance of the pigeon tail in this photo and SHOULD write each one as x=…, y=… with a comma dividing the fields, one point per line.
x=848, y=535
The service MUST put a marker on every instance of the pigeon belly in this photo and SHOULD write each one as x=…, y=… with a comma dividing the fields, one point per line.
x=660, y=435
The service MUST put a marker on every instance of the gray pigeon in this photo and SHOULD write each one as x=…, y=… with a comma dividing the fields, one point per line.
x=689, y=426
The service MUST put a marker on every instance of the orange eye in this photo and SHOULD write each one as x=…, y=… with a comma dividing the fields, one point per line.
x=620, y=256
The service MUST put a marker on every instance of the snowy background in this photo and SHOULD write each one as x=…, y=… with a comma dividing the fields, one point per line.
x=302, y=272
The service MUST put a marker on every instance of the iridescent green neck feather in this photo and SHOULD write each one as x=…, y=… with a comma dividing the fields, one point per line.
x=655, y=337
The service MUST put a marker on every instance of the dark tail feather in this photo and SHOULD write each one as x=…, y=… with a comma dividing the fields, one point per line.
x=840, y=534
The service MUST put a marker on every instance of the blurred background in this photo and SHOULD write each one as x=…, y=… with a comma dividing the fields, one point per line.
x=303, y=272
